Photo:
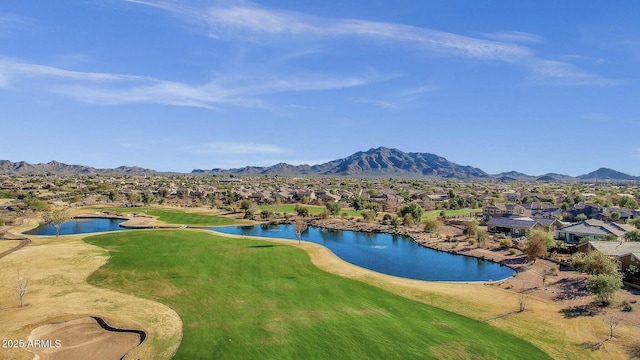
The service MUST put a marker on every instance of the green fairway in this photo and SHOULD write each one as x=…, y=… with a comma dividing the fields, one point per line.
x=249, y=299
x=179, y=217
x=291, y=208
x=313, y=209
x=460, y=212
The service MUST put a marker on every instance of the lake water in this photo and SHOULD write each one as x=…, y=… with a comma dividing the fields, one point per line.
x=385, y=253
x=79, y=226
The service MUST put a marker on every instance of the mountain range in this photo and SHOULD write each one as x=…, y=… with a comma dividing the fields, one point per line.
x=58, y=168
x=378, y=162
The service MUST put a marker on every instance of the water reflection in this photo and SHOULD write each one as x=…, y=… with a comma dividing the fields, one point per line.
x=390, y=254
x=79, y=226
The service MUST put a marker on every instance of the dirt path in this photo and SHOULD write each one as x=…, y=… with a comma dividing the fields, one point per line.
x=23, y=242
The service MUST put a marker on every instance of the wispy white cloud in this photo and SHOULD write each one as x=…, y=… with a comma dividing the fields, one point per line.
x=514, y=37
x=561, y=73
x=378, y=103
x=589, y=59
x=596, y=117
x=247, y=21
x=233, y=148
x=108, y=88
x=10, y=22
x=419, y=90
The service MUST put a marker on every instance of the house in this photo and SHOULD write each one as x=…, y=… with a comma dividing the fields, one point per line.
x=10, y=186
x=517, y=226
x=591, y=211
x=624, y=214
x=502, y=210
x=540, y=209
x=520, y=225
x=626, y=253
x=511, y=195
x=592, y=229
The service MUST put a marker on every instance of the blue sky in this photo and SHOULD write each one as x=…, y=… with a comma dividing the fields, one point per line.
x=533, y=86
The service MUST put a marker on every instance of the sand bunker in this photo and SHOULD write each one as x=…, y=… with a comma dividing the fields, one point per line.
x=83, y=338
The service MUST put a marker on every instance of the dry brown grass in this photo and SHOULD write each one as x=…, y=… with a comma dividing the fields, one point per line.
x=57, y=269
x=8, y=244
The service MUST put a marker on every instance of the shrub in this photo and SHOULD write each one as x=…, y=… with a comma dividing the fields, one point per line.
x=506, y=243
x=512, y=251
x=431, y=225
x=604, y=286
x=368, y=215
x=472, y=241
x=594, y=263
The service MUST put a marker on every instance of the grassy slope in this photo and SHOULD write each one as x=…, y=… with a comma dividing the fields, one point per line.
x=247, y=299
x=179, y=217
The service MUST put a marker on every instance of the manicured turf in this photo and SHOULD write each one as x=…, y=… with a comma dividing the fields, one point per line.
x=313, y=209
x=460, y=212
x=249, y=299
x=179, y=217
x=291, y=208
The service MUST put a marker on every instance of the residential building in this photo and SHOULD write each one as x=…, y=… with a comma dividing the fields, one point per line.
x=592, y=229
x=502, y=210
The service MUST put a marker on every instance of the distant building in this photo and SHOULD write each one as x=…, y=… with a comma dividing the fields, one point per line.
x=592, y=229
x=502, y=210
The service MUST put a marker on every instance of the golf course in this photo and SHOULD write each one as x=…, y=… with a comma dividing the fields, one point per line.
x=248, y=299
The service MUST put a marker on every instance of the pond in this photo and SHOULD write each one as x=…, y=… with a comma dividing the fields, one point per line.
x=386, y=253
x=79, y=226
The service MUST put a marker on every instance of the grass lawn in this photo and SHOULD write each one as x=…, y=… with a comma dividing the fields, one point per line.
x=178, y=217
x=250, y=299
x=291, y=208
x=313, y=209
x=460, y=212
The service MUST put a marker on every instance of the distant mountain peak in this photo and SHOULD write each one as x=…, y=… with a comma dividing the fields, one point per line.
x=58, y=168
x=380, y=161
x=608, y=174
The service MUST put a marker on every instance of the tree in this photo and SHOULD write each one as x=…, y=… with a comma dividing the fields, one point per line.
x=302, y=211
x=266, y=214
x=612, y=322
x=368, y=215
x=245, y=204
x=22, y=288
x=148, y=198
x=414, y=209
x=522, y=302
x=35, y=204
x=594, y=263
x=395, y=221
x=56, y=217
x=334, y=207
x=581, y=217
x=633, y=235
x=615, y=216
x=357, y=202
x=300, y=226
x=431, y=225
x=604, y=286
x=471, y=228
x=408, y=220
x=134, y=197
x=537, y=244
